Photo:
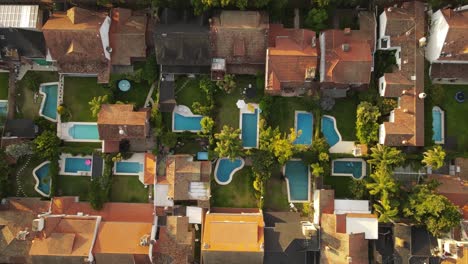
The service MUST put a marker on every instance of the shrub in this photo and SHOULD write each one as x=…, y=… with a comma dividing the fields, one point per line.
x=227, y=84
x=265, y=105
x=45, y=124
x=61, y=109
x=386, y=105
x=207, y=124
x=47, y=144
x=367, y=128
x=169, y=139
x=324, y=157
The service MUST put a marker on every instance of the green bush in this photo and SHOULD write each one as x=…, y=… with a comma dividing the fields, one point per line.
x=386, y=105
x=44, y=124
x=367, y=126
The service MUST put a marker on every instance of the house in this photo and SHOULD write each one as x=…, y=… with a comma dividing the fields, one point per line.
x=127, y=37
x=346, y=60
x=239, y=41
x=402, y=30
x=21, y=38
x=346, y=227
x=290, y=238
x=446, y=46
x=176, y=241
x=233, y=236
x=117, y=122
x=291, y=60
x=182, y=42
x=185, y=180
x=78, y=41
x=17, y=131
x=413, y=245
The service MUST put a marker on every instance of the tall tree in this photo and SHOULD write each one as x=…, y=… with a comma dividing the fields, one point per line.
x=96, y=102
x=228, y=143
x=317, y=170
x=382, y=182
x=386, y=208
x=207, y=124
x=316, y=19
x=47, y=144
x=383, y=156
x=367, y=126
x=434, y=157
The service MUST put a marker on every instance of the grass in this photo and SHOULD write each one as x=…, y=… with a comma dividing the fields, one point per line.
x=344, y=112
x=190, y=146
x=188, y=91
x=136, y=95
x=128, y=189
x=455, y=116
x=76, y=148
x=78, y=91
x=238, y=193
x=26, y=177
x=276, y=195
x=74, y=186
x=282, y=111
x=340, y=184
x=3, y=85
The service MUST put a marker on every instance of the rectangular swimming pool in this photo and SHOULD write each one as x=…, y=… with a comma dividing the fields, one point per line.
x=49, y=105
x=304, y=122
x=438, y=125
x=74, y=165
x=186, y=123
x=297, y=175
x=128, y=167
x=250, y=129
x=83, y=131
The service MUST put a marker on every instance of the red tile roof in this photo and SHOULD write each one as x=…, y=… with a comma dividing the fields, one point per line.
x=150, y=168
x=456, y=41
x=115, y=117
x=455, y=189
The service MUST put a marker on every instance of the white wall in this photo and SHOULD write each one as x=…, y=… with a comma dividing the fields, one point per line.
x=322, y=56
x=104, y=32
x=382, y=24
x=438, y=33
x=382, y=134
x=382, y=85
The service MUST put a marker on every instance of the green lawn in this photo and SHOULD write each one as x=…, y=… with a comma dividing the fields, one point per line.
x=128, y=189
x=77, y=148
x=187, y=91
x=3, y=85
x=276, y=196
x=344, y=112
x=455, y=116
x=26, y=177
x=73, y=186
x=282, y=111
x=238, y=193
x=190, y=146
x=340, y=184
x=136, y=95
x=78, y=91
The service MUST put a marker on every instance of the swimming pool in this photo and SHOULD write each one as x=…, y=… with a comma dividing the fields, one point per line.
x=128, y=167
x=3, y=108
x=84, y=132
x=225, y=169
x=49, y=102
x=304, y=122
x=298, y=181
x=330, y=131
x=186, y=123
x=438, y=125
x=76, y=165
x=355, y=168
x=249, y=127
x=43, y=180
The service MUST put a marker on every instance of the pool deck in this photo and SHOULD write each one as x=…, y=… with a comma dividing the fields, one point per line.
x=136, y=157
x=245, y=110
x=289, y=191
x=36, y=186
x=63, y=128
x=295, y=125
x=45, y=98
x=184, y=111
x=442, y=124
x=341, y=146
x=364, y=168
x=232, y=173
x=63, y=156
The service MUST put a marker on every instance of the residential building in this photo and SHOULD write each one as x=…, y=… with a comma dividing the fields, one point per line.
x=17, y=131
x=21, y=38
x=446, y=46
x=413, y=245
x=402, y=30
x=291, y=61
x=346, y=227
x=176, y=241
x=239, y=41
x=118, y=122
x=78, y=41
x=127, y=39
x=346, y=60
x=182, y=42
x=185, y=180
x=233, y=236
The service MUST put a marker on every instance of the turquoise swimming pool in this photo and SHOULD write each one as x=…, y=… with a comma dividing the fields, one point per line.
x=297, y=175
x=329, y=130
x=74, y=165
x=186, y=123
x=304, y=123
x=225, y=169
x=355, y=168
x=250, y=129
x=128, y=167
x=41, y=173
x=49, y=105
x=3, y=108
x=84, y=131
x=437, y=125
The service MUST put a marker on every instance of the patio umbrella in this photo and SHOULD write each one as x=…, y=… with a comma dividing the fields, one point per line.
x=240, y=104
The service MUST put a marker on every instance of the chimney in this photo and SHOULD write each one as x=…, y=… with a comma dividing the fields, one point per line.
x=345, y=47
x=347, y=31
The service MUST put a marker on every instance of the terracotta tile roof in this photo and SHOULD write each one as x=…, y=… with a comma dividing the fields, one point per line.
x=455, y=189
x=74, y=40
x=291, y=57
x=178, y=228
x=115, y=117
x=233, y=232
x=167, y=250
x=127, y=36
x=456, y=40
x=121, y=238
x=150, y=168
x=33, y=205
x=182, y=172
x=122, y=212
x=396, y=83
x=241, y=37
x=111, y=146
x=405, y=26
x=449, y=71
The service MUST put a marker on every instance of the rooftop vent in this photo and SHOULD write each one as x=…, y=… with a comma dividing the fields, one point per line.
x=345, y=47
x=405, y=61
x=422, y=95
x=404, y=142
x=389, y=9
x=422, y=42
x=347, y=31
x=413, y=77
x=405, y=110
x=109, y=49
x=38, y=224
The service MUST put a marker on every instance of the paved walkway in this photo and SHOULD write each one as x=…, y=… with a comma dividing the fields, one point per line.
x=23, y=69
x=19, y=189
x=148, y=97
x=343, y=147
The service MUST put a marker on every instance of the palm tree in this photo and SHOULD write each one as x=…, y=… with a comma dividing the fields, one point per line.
x=383, y=181
x=385, y=156
x=96, y=102
x=317, y=170
x=434, y=157
x=387, y=212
